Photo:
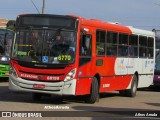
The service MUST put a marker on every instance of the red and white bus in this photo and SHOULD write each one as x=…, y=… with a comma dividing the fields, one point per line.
x=91, y=57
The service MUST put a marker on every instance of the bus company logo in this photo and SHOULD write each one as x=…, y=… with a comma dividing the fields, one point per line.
x=120, y=65
x=37, y=65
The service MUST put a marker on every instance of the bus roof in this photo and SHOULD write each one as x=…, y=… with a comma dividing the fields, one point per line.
x=142, y=32
x=114, y=26
x=106, y=25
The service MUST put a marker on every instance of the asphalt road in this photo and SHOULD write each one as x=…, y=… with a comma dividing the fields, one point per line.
x=110, y=104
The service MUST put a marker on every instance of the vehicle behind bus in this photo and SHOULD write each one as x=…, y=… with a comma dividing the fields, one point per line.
x=157, y=70
x=6, y=37
x=156, y=81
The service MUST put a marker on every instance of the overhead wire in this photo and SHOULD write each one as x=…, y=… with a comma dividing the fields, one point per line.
x=35, y=6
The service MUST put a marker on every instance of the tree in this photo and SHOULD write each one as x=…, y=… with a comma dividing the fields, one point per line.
x=11, y=24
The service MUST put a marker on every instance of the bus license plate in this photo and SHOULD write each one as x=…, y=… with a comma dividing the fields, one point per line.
x=39, y=86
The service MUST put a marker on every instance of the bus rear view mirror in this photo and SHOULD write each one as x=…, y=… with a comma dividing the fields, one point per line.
x=84, y=31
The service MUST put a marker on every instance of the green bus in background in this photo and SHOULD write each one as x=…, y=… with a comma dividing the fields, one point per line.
x=6, y=37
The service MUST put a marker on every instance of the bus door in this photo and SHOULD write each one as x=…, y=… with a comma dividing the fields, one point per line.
x=85, y=64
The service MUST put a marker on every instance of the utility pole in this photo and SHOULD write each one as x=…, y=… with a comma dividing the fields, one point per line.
x=43, y=7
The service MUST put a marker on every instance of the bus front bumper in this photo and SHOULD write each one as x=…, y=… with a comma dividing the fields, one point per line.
x=57, y=88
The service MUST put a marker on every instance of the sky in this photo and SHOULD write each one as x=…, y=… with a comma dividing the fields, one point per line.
x=143, y=14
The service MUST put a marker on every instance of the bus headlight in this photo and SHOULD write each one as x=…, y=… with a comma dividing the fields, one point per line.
x=4, y=59
x=70, y=75
x=13, y=72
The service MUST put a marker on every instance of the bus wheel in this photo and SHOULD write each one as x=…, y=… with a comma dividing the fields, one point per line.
x=36, y=96
x=94, y=94
x=132, y=92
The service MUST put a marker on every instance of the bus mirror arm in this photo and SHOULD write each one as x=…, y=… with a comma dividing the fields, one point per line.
x=83, y=32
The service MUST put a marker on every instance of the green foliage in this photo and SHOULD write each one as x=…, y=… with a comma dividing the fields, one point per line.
x=11, y=25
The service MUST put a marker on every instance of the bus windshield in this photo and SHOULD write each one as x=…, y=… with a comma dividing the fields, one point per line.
x=44, y=46
x=6, y=37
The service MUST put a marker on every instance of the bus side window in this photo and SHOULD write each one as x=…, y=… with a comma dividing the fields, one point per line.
x=85, y=45
x=123, y=45
x=143, y=41
x=133, y=45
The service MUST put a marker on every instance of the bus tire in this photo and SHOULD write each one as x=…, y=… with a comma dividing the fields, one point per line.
x=132, y=91
x=94, y=92
x=36, y=96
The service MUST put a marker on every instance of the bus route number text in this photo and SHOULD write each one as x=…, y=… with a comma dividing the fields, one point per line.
x=64, y=58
